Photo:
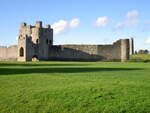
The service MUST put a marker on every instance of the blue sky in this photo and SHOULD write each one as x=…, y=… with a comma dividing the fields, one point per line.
x=93, y=21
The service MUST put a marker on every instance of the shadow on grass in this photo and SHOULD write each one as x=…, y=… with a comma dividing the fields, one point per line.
x=39, y=64
x=14, y=71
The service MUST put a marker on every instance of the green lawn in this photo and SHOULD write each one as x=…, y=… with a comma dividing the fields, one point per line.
x=74, y=87
x=140, y=58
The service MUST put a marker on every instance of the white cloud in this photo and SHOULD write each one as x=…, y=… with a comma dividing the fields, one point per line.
x=132, y=14
x=62, y=25
x=148, y=40
x=130, y=20
x=102, y=21
x=74, y=23
x=127, y=23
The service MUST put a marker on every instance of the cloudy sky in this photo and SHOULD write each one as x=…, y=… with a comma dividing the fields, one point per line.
x=79, y=21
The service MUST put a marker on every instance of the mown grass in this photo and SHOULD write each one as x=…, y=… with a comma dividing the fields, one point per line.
x=140, y=58
x=74, y=87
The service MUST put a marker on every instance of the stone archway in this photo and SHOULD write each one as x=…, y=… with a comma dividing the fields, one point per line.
x=35, y=58
x=21, y=52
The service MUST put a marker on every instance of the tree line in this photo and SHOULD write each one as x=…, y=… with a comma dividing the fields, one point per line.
x=141, y=51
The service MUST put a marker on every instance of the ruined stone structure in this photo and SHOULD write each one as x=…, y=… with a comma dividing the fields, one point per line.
x=36, y=43
x=118, y=51
x=131, y=46
x=8, y=53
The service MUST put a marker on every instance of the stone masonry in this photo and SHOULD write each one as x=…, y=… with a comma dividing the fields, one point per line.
x=36, y=43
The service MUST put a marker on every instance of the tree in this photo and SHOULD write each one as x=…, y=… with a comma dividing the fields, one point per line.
x=146, y=51
x=143, y=51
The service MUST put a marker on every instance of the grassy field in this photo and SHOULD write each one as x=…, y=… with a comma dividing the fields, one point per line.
x=140, y=58
x=74, y=87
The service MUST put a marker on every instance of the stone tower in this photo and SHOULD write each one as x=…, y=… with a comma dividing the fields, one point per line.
x=34, y=42
x=131, y=46
x=125, y=49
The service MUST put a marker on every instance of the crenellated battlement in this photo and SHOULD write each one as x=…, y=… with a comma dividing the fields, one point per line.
x=35, y=41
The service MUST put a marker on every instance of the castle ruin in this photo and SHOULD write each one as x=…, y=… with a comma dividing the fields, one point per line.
x=36, y=43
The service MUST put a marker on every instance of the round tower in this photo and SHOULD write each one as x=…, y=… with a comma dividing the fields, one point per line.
x=125, y=50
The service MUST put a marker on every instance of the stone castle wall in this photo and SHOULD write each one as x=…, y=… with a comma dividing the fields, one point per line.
x=118, y=51
x=8, y=53
x=73, y=52
x=35, y=42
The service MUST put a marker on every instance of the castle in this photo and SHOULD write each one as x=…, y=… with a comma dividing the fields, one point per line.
x=36, y=43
